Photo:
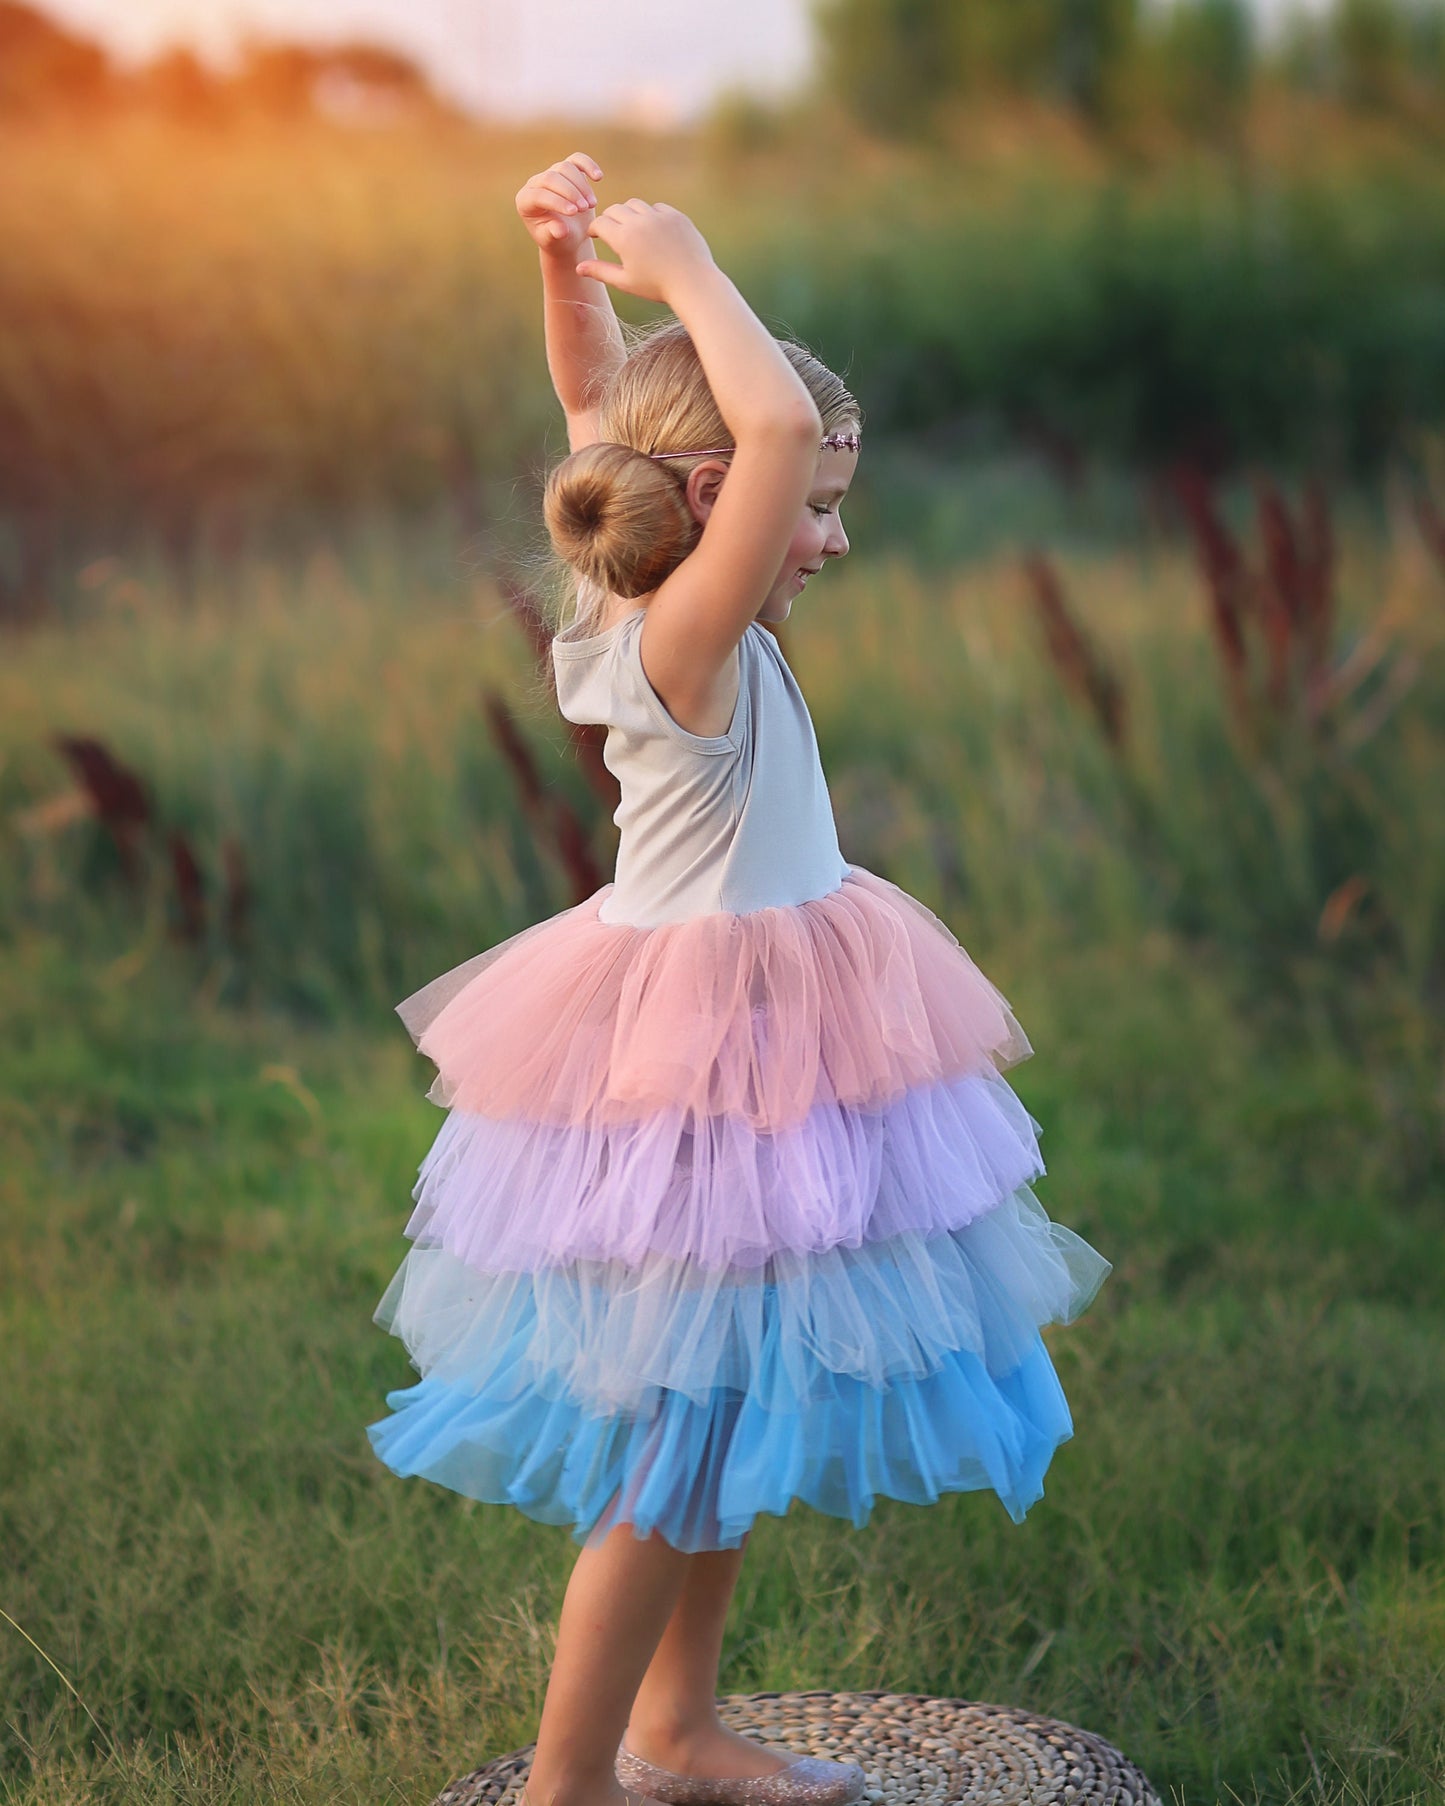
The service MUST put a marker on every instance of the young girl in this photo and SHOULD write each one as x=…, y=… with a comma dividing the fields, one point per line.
x=731, y=1205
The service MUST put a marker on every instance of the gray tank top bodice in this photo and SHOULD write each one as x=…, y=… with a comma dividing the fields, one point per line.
x=737, y=821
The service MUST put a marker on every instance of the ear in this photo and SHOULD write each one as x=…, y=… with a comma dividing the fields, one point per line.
x=703, y=486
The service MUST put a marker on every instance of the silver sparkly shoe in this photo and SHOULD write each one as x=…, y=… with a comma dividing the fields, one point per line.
x=632, y=1795
x=806, y=1781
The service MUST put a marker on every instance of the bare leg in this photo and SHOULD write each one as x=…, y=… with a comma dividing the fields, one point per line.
x=620, y=1594
x=674, y=1721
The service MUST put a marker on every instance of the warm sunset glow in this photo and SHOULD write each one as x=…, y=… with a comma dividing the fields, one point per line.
x=660, y=60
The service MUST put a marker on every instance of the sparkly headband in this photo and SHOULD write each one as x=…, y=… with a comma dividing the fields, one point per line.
x=833, y=442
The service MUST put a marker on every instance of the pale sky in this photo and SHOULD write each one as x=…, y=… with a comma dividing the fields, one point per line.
x=664, y=60
x=510, y=58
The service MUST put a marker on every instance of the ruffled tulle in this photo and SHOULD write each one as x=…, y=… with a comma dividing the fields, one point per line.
x=618, y=1338
x=513, y=1196
x=727, y=1212
x=700, y=1472
x=852, y=998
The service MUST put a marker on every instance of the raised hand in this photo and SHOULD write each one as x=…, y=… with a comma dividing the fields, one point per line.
x=659, y=247
x=556, y=205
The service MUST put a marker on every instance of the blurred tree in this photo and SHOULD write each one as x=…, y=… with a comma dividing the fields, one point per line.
x=179, y=84
x=741, y=124
x=42, y=65
x=896, y=63
x=1198, y=64
x=378, y=66
x=1371, y=44
x=1301, y=53
x=293, y=79
x=1376, y=55
x=1067, y=50
x=279, y=78
x=888, y=61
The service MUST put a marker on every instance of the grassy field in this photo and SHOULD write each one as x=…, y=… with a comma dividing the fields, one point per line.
x=1238, y=1571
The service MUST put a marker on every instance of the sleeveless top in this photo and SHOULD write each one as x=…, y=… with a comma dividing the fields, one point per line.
x=739, y=821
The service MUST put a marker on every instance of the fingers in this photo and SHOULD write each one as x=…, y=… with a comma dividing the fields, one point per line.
x=572, y=199
x=621, y=214
x=567, y=191
x=588, y=165
x=599, y=270
x=538, y=203
x=563, y=187
x=610, y=220
x=579, y=171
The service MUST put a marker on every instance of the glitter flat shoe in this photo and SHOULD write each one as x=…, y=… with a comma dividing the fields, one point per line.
x=633, y=1797
x=806, y=1781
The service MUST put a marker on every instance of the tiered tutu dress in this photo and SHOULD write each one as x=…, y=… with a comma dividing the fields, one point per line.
x=731, y=1205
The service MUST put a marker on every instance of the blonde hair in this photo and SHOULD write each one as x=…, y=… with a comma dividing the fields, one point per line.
x=617, y=518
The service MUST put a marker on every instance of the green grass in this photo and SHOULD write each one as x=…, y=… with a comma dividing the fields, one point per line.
x=1242, y=1548
x=1238, y=1570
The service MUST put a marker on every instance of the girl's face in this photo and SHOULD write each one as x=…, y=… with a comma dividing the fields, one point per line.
x=818, y=535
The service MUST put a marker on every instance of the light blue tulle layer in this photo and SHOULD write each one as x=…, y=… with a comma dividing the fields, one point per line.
x=699, y=1474
x=614, y=1337
x=687, y=1401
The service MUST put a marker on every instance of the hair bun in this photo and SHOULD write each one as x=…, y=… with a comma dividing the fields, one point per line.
x=619, y=517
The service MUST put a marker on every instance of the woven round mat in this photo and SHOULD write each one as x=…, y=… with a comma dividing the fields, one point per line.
x=913, y=1749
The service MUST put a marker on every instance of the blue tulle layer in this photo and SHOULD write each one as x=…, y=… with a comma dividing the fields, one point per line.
x=700, y=1473
x=614, y=1337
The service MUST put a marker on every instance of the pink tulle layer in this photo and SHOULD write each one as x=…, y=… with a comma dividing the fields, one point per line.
x=852, y=998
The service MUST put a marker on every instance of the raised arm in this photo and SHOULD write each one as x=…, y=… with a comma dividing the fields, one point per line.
x=584, y=340
x=700, y=612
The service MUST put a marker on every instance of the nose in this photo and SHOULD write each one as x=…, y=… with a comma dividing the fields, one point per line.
x=836, y=544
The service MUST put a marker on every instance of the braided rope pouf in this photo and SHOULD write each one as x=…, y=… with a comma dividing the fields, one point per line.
x=915, y=1751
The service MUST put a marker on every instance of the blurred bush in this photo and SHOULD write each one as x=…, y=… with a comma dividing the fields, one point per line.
x=281, y=322
x=302, y=288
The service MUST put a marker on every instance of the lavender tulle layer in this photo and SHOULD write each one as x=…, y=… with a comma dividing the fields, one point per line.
x=677, y=1292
